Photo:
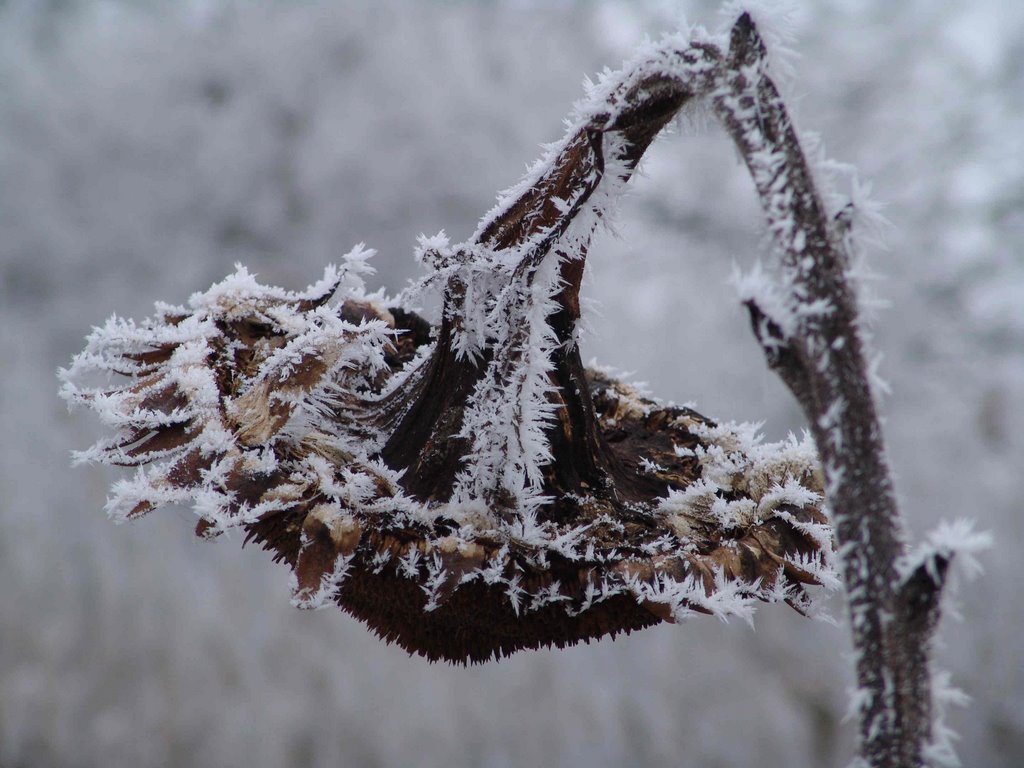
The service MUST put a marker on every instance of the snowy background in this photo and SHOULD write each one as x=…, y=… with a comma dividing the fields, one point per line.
x=145, y=147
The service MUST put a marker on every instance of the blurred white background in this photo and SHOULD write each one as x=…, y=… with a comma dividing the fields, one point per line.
x=145, y=147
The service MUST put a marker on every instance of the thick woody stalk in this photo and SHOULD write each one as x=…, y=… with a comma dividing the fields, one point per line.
x=811, y=337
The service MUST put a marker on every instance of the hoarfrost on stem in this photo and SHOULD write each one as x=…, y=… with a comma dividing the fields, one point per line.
x=808, y=321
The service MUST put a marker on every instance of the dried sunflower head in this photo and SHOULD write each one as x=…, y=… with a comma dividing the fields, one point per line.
x=467, y=489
